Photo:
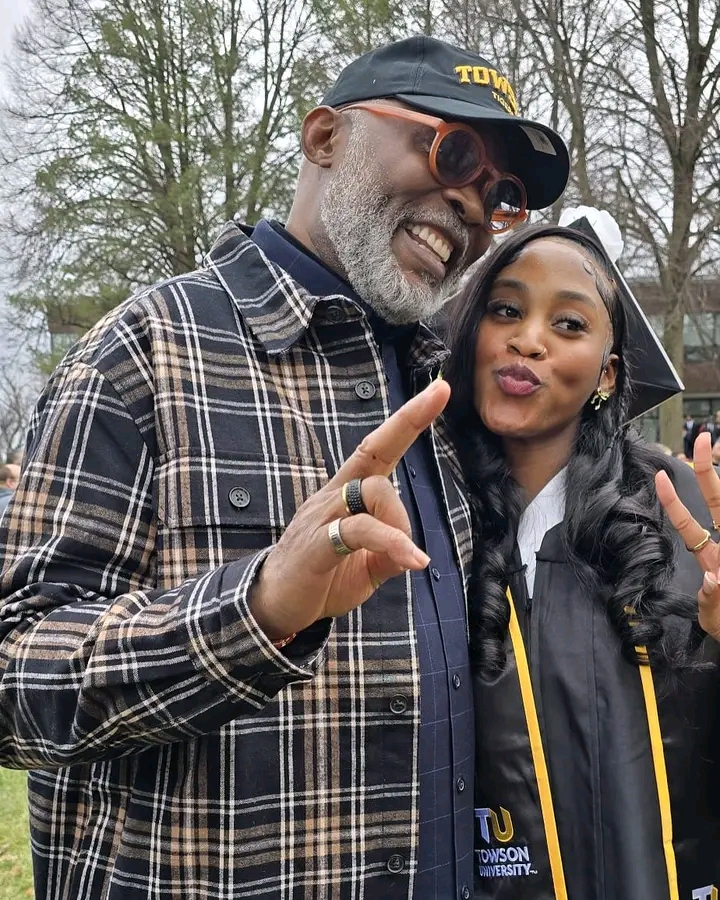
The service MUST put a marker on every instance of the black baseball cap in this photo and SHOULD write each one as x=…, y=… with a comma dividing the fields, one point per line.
x=458, y=85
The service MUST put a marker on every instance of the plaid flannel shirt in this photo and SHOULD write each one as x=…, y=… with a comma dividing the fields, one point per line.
x=176, y=752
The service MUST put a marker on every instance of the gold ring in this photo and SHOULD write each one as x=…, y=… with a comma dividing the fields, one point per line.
x=701, y=544
x=338, y=544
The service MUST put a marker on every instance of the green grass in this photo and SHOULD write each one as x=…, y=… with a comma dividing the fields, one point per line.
x=15, y=870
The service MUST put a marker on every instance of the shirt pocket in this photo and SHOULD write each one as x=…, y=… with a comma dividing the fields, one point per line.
x=214, y=509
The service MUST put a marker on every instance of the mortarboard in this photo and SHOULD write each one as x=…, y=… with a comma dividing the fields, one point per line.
x=653, y=375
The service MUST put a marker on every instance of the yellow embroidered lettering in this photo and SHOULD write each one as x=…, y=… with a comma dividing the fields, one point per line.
x=504, y=103
x=499, y=83
x=512, y=98
x=481, y=75
x=503, y=92
x=507, y=831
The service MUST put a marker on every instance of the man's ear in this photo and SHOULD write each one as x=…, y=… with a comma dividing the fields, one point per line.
x=609, y=374
x=321, y=135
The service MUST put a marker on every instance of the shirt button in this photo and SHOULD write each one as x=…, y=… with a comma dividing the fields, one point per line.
x=239, y=497
x=335, y=314
x=365, y=390
x=435, y=573
x=411, y=470
x=460, y=785
x=395, y=864
x=398, y=705
x=457, y=681
x=465, y=892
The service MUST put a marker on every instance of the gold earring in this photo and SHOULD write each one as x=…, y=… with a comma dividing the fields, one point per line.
x=599, y=397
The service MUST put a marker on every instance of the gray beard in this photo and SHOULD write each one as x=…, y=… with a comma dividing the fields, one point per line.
x=359, y=225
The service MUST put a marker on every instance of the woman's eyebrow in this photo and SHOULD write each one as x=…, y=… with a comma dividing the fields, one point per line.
x=580, y=296
x=512, y=283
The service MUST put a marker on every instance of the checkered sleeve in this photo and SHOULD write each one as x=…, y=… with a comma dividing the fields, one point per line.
x=95, y=661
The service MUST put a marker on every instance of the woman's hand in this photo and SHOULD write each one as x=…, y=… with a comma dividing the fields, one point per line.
x=706, y=552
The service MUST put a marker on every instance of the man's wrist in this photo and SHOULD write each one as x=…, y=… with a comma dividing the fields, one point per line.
x=278, y=633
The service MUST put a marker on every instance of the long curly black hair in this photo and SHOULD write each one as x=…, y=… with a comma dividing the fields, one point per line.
x=615, y=533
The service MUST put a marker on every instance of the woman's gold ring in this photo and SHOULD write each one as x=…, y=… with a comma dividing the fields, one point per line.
x=699, y=546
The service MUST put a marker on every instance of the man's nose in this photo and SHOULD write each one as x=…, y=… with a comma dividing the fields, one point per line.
x=467, y=204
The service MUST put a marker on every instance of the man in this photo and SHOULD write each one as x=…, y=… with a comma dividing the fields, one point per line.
x=187, y=650
x=9, y=474
x=716, y=427
x=688, y=427
x=716, y=453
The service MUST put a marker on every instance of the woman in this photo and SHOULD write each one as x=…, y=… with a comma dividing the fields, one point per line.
x=596, y=686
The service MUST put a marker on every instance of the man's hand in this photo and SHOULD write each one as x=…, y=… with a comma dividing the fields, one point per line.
x=693, y=534
x=303, y=578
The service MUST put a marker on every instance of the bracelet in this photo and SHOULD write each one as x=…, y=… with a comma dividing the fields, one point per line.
x=283, y=642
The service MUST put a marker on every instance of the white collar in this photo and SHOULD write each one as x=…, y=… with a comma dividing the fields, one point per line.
x=545, y=511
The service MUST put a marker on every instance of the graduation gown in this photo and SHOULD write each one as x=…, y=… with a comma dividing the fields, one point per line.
x=596, y=779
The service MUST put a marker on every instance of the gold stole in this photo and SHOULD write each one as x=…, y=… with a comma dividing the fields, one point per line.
x=524, y=799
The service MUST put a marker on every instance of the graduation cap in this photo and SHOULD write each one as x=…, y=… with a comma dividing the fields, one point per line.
x=653, y=375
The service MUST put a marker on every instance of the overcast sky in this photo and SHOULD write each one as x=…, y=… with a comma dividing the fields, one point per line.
x=11, y=14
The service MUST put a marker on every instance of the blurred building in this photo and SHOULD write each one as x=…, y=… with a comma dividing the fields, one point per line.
x=62, y=337
x=702, y=348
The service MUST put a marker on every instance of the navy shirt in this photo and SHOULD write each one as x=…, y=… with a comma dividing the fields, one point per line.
x=446, y=749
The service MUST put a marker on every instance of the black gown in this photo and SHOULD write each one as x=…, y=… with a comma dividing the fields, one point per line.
x=579, y=810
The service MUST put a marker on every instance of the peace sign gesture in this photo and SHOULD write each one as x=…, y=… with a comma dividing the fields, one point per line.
x=697, y=539
x=332, y=558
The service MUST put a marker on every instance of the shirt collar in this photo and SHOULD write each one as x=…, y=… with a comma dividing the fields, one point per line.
x=299, y=262
x=277, y=309
x=277, y=304
x=545, y=511
x=311, y=272
x=542, y=514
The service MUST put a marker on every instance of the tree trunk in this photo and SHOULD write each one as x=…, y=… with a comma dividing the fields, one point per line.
x=671, y=412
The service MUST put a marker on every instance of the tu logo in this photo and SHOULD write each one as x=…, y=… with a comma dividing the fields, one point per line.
x=502, y=833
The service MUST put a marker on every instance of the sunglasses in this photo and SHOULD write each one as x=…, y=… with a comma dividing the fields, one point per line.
x=458, y=158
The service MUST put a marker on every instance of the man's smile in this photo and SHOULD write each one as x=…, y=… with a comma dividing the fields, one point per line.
x=430, y=236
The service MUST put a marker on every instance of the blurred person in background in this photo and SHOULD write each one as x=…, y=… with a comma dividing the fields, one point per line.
x=688, y=426
x=716, y=428
x=9, y=475
x=697, y=429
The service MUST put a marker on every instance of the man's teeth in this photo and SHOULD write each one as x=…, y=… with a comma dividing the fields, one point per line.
x=433, y=239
